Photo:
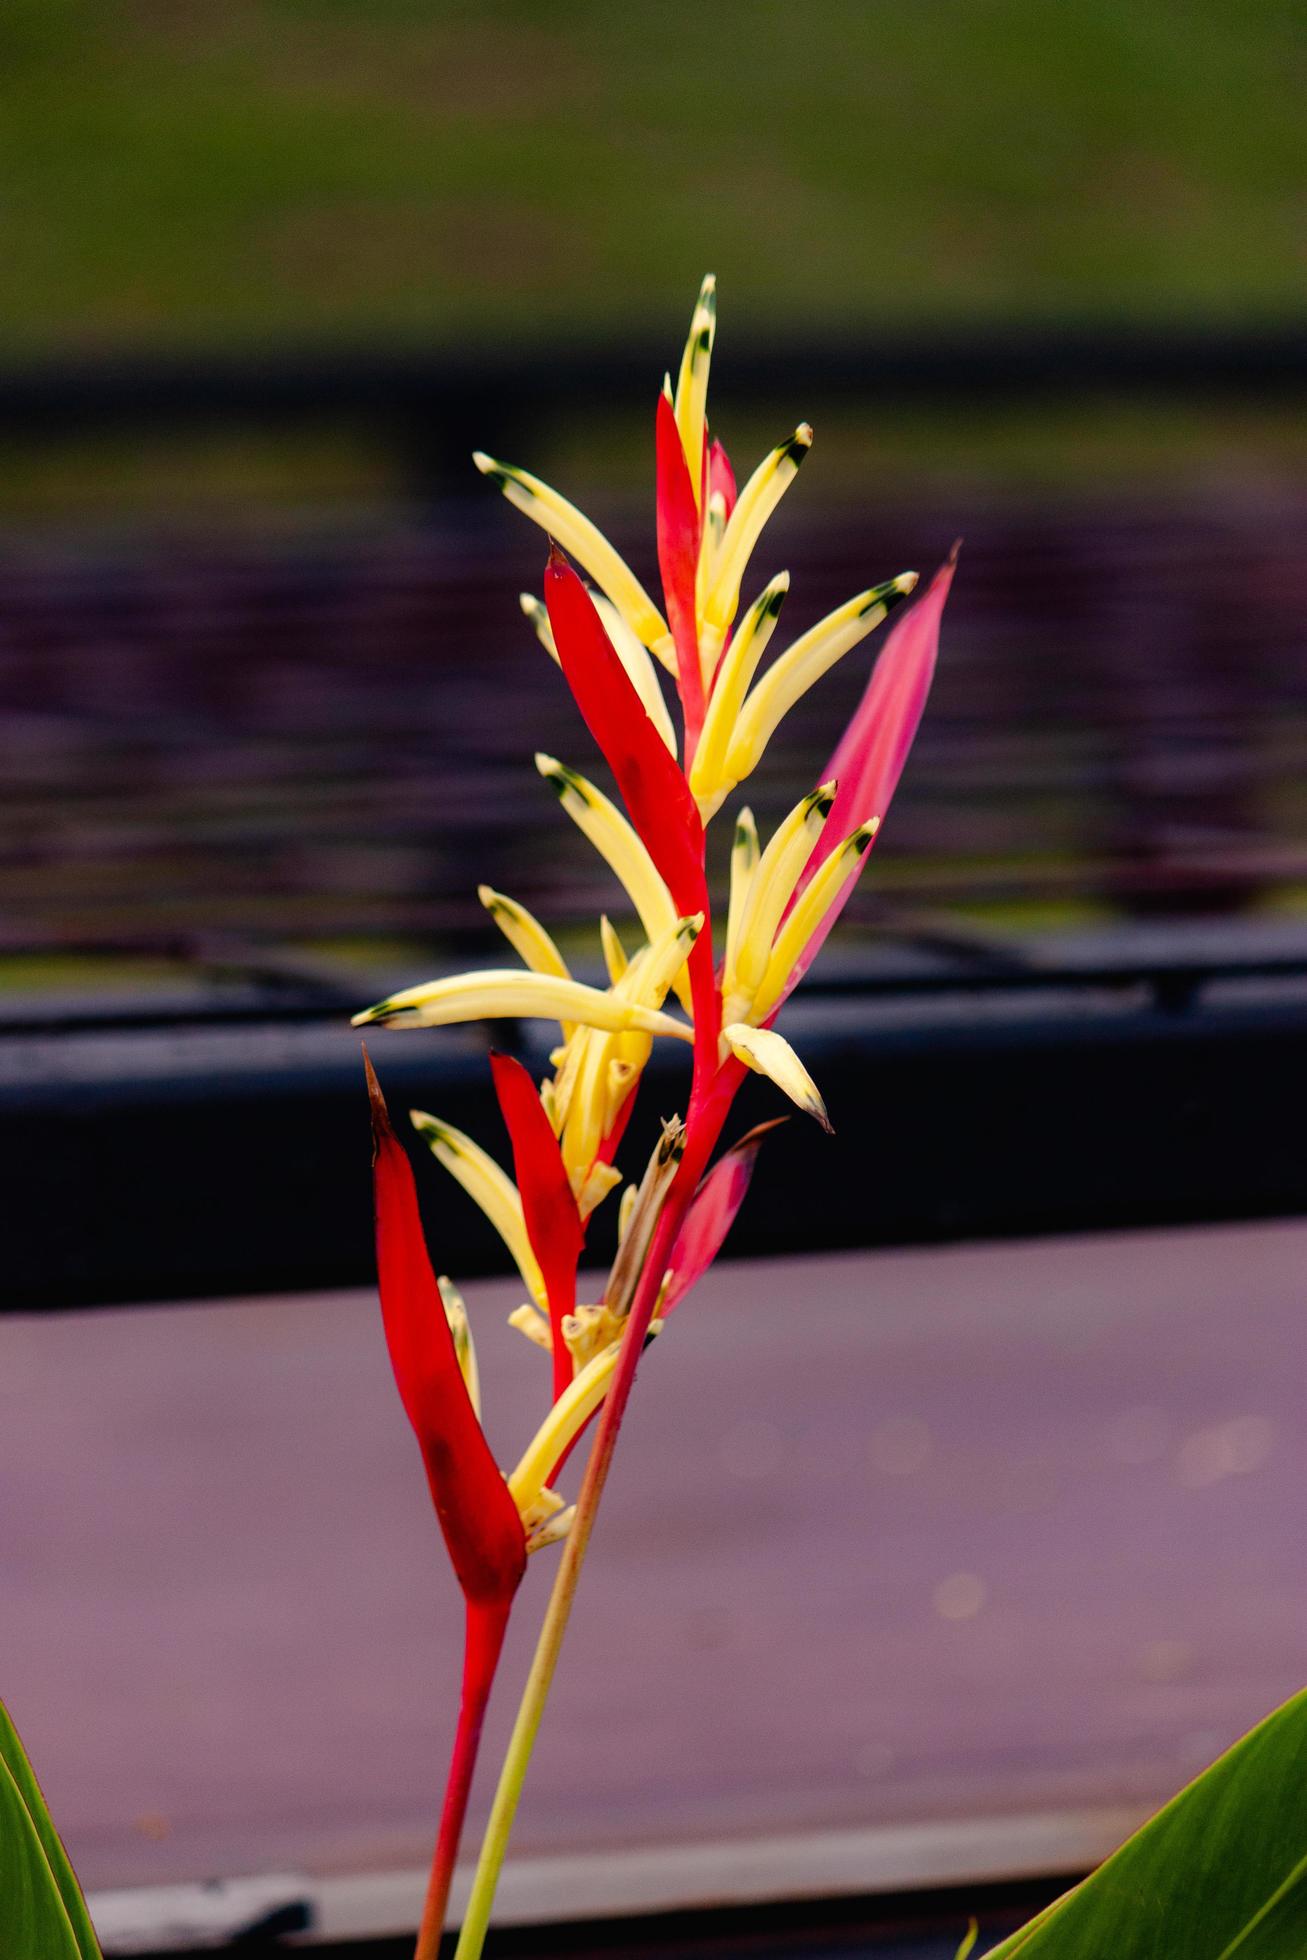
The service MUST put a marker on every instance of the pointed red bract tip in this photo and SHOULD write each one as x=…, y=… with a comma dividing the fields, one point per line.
x=874, y=747
x=553, y=1223
x=477, y=1516
x=712, y=1213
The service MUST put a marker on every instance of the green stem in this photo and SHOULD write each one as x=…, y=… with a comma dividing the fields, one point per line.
x=476, y=1920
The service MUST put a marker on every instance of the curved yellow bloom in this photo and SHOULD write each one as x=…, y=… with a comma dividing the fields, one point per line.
x=603, y=1072
x=708, y=776
x=823, y=891
x=565, y=1420
x=591, y=549
x=495, y=994
x=770, y=1054
x=691, y=399
x=811, y=656
x=757, y=501
x=527, y=937
x=524, y=933
x=744, y=866
x=617, y=842
x=615, y=960
x=464, y=1346
x=714, y=530
x=771, y=888
x=490, y=1187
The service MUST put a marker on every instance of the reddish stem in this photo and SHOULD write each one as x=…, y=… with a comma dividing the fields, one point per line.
x=483, y=1642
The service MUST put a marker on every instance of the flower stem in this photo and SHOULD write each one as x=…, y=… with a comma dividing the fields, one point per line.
x=483, y=1641
x=476, y=1921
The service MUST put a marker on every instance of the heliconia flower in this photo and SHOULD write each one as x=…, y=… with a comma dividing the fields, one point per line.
x=711, y=1214
x=609, y=643
x=495, y=994
x=480, y=1522
x=553, y=1222
x=770, y=1054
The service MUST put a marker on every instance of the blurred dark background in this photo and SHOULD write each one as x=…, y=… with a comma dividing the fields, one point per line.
x=272, y=270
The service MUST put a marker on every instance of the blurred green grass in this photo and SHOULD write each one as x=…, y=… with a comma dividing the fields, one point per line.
x=179, y=173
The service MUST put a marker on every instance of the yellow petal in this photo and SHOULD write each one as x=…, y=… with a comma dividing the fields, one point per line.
x=591, y=549
x=552, y=1531
x=615, y=960
x=565, y=1420
x=622, y=850
x=464, y=1347
x=770, y=1054
x=526, y=936
x=538, y=613
x=692, y=383
x=810, y=910
x=710, y=544
x=771, y=888
x=744, y=864
x=648, y=977
x=755, y=504
x=587, y=1105
x=806, y=661
x=593, y=1104
x=529, y=1320
x=748, y=644
x=491, y=1188
x=603, y=1178
x=494, y=994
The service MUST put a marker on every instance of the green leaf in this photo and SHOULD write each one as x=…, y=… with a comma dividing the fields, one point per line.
x=45, y=1916
x=1219, y=1874
x=34, y=1925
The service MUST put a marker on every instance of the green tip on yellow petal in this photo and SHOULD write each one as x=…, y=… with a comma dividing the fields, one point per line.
x=770, y=1054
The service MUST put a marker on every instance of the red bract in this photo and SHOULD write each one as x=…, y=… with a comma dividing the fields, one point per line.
x=654, y=789
x=712, y=1213
x=679, y=531
x=874, y=747
x=721, y=477
x=553, y=1223
x=479, y=1519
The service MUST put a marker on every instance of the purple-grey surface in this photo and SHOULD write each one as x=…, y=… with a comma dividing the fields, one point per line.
x=896, y=1536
